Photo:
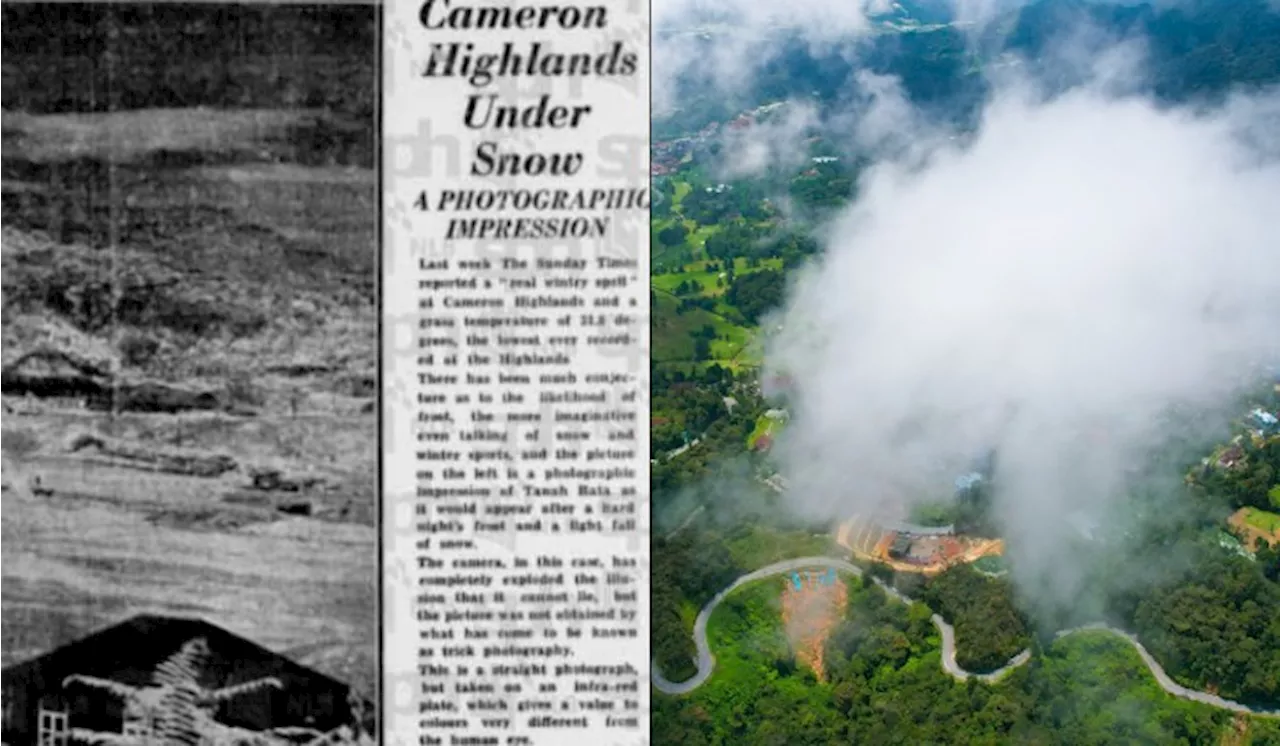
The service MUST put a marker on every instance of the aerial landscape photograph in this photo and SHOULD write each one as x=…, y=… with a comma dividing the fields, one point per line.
x=189, y=373
x=966, y=373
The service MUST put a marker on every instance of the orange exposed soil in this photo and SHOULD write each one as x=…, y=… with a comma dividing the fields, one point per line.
x=867, y=541
x=1252, y=536
x=809, y=615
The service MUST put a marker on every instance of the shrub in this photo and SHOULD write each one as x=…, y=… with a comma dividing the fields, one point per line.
x=241, y=390
x=19, y=443
x=137, y=349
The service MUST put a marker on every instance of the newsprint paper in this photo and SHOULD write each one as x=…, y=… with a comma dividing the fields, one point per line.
x=325, y=373
x=515, y=388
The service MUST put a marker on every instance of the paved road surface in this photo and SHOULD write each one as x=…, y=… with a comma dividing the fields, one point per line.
x=706, y=661
x=959, y=674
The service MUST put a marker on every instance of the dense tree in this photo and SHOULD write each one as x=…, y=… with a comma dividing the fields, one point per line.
x=756, y=293
x=883, y=685
x=735, y=239
x=1217, y=627
x=1268, y=556
x=989, y=627
x=823, y=187
x=673, y=235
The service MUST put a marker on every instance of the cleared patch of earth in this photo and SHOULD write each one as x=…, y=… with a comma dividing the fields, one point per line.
x=808, y=616
x=1250, y=528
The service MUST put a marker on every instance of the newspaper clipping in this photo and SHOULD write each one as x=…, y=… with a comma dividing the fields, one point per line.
x=515, y=382
x=190, y=373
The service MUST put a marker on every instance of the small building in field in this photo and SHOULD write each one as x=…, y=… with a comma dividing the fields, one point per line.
x=901, y=546
x=914, y=529
x=41, y=706
x=1231, y=457
x=1264, y=421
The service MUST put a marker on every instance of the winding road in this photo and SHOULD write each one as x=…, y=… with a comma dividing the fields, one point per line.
x=706, y=661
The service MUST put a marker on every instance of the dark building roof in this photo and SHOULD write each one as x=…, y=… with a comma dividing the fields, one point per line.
x=130, y=651
x=901, y=545
x=49, y=373
x=143, y=637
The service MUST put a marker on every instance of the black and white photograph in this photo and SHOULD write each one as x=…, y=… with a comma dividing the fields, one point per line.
x=190, y=315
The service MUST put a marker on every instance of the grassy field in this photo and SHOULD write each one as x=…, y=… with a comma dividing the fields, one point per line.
x=736, y=345
x=673, y=345
x=1262, y=520
x=697, y=272
x=1255, y=526
x=991, y=565
x=681, y=191
x=764, y=546
x=689, y=614
x=706, y=281
x=765, y=425
x=744, y=632
x=692, y=247
x=752, y=354
x=698, y=237
x=690, y=250
x=933, y=512
x=672, y=335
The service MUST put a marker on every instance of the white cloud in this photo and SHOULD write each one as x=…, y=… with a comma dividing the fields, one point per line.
x=1086, y=263
x=776, y=141
x=885, y=123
